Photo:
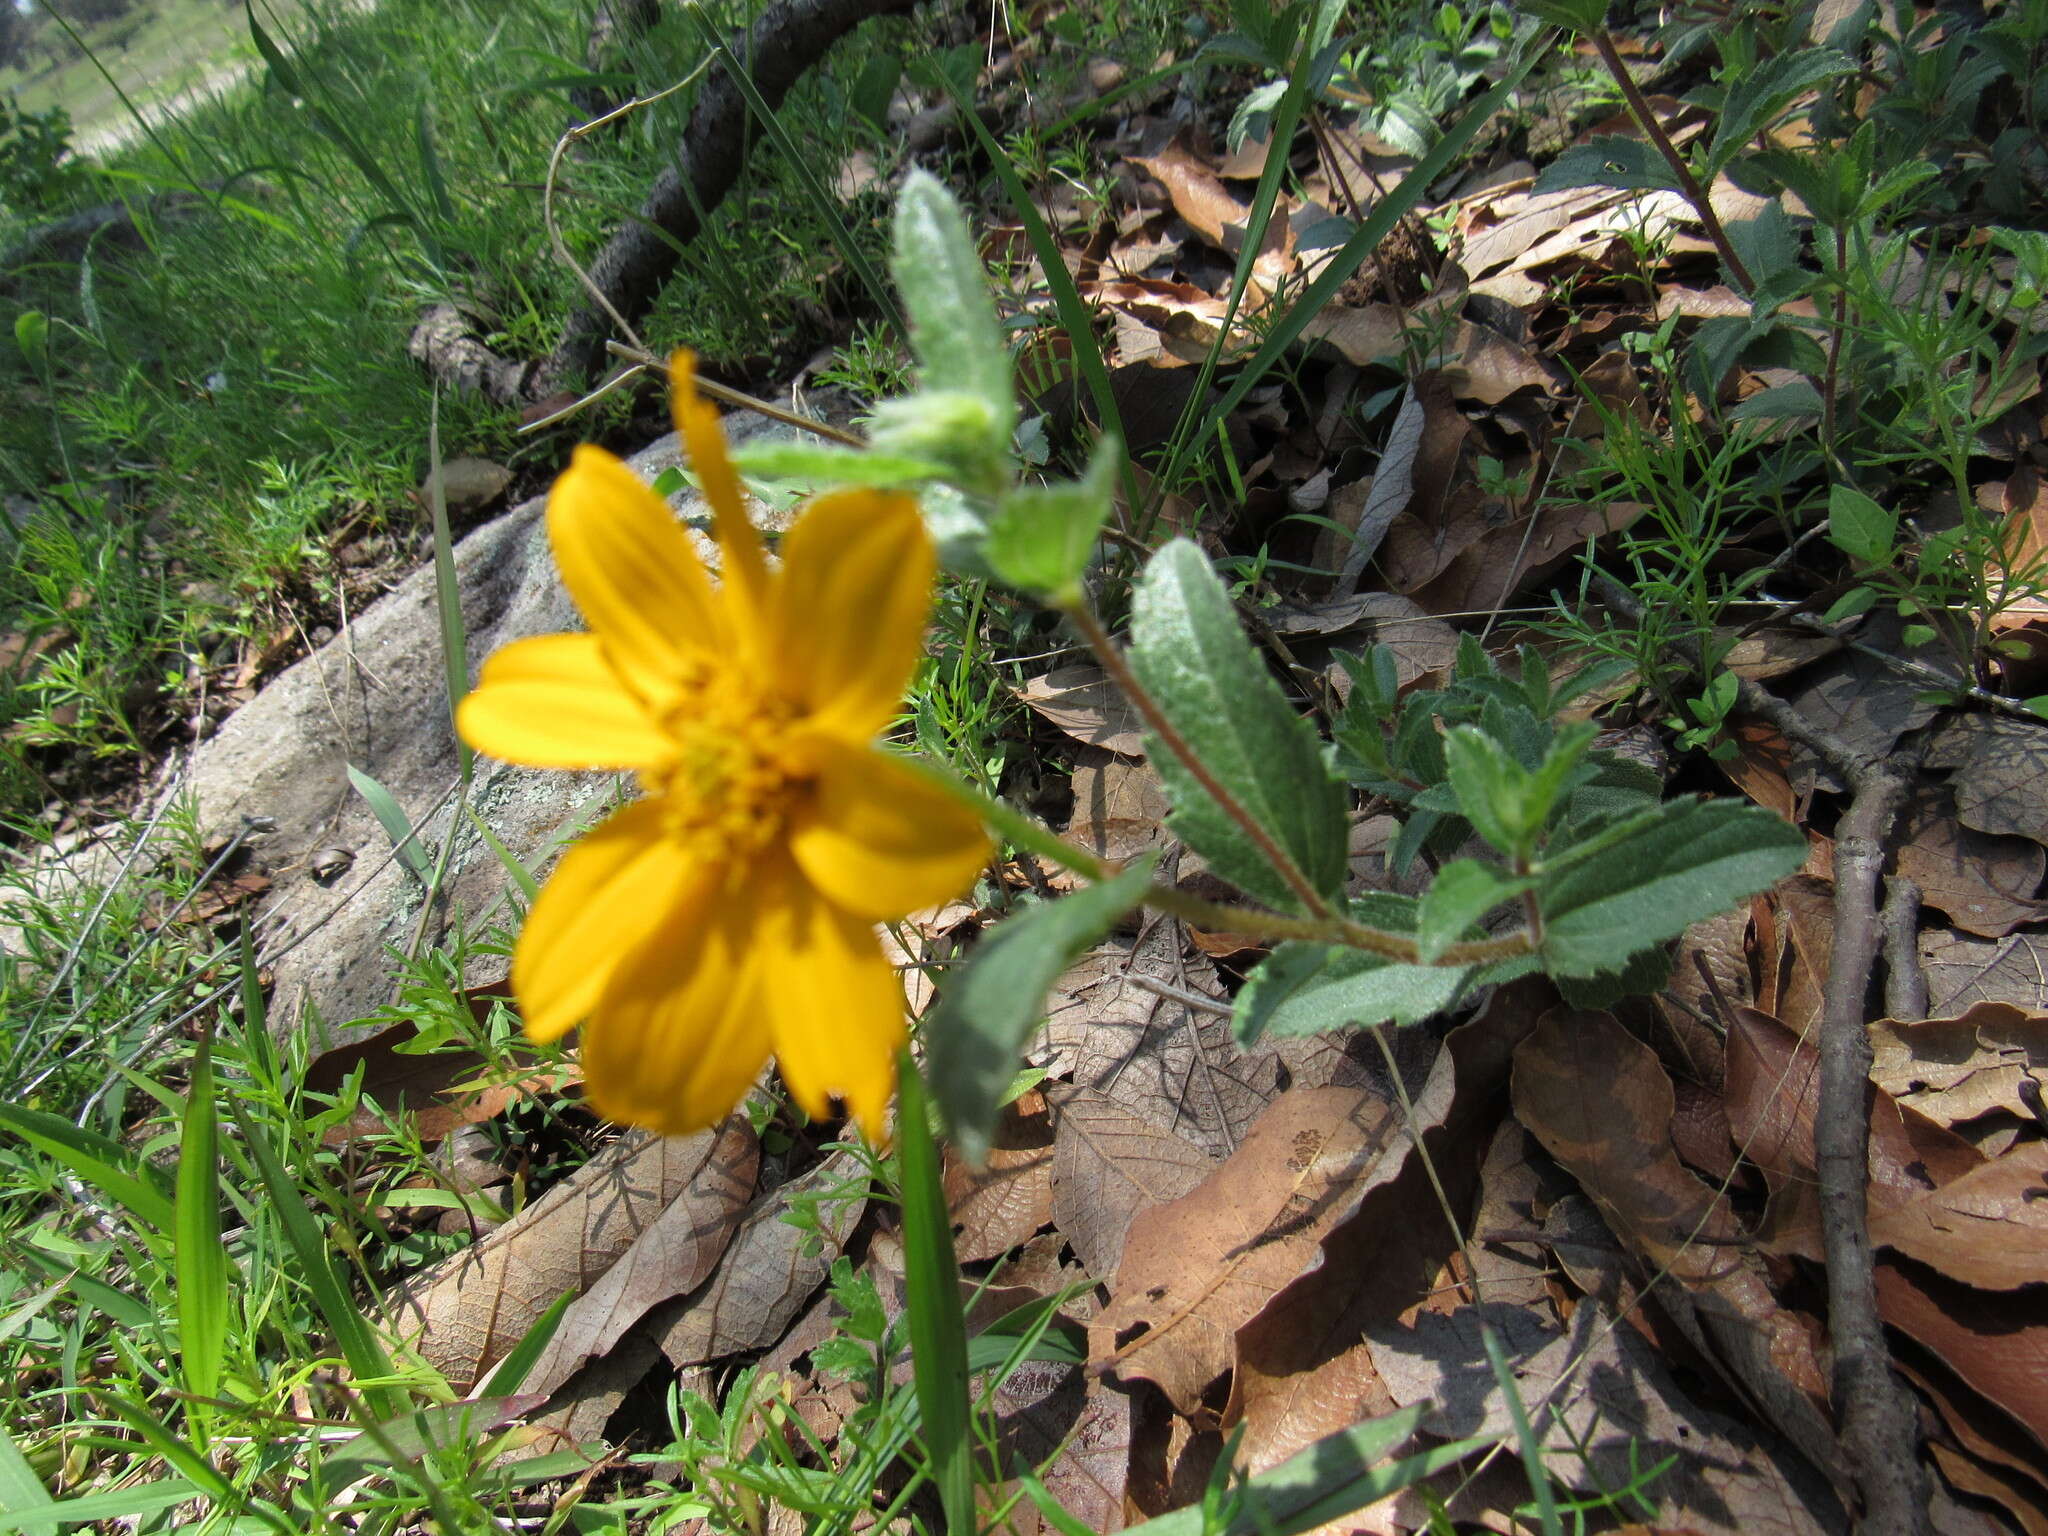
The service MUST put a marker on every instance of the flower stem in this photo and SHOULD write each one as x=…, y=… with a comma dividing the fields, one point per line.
x=1112, y=659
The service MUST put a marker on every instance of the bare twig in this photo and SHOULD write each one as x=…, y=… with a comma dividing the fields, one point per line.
x=1905, y=984
x=1877, y=1420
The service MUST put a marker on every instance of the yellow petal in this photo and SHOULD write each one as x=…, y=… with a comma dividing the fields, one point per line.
x=880, y=840
x=745, y=570
x=681, y=1030
x=616, y=887
x=554, y=702
x=837, y=1011
x=632, y=571
x=856, y=588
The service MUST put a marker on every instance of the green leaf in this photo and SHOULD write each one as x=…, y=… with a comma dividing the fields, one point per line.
x=1320, y=1484
x=1856, y=600
x=115, y=1504
x=106, y=1165
x=1191, y=656
x=1608, y=161
x=1859, y=527
x=1573, y=15
x=32, y=336
x=1795, y=400
x=1463, y=892
x=952, y=319
x=1313, y=989
x=1757, y=97
x=201, y=1263
x=830, y=464
x=1042, y=535
x=392, y=818
x=1491, y=786
x=1655, y=874
x=23, y=1498
x=987, y=1011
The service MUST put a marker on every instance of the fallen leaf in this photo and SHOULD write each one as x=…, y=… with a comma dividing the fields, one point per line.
x=1195, y=1271
x=1419, y=642
x=1998, y=766
x=1120, y=806
x=1503, y=560
x=1110, y=1164
x=1601, y=1104
x=1963, y=971
x=1200, y=198
x=1614, y=1406
x=1762, y=766
x=1082, y=701
x=1988, y=1228
x=1957, y=1069
x=770, y=1269
x=1077, y=1430
x=1152, y=1050
x=1985, y=884
x=468, y=485
x=1994, y=1341
x=1989, y=1437
x=436, y=1091
x=998, y=1206
x=464, y=1313
x=1862, y=703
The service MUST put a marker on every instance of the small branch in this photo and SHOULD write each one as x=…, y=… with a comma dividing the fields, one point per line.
x=1694, y=193
x=1877, y=1419
x=1874, y=1412
x=1905, y=984
x=1120, y=673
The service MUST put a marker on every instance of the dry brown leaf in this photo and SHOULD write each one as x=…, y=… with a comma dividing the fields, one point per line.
x=1861, y=702
x=1994, y=1341
x=1621, y=1408
x=1503, y=560
x=771, y=1267
x=1985, y=884
x=1197, y=1270
x=1763, y=654
x=1082, y=701
x=1999, y=765
x=1481, y=364
x=1153, y=1052
x=998, y=1206
x=464, y=1313
x=1988, y=1436
x=1110, y=1164
x=1988, y=1228
x=1957, y=1069
x=671, y=1258
x=1602, y=1105
x=1762, y=766
x=1963, y=971
x=1078, y=1430
x=1200, y=198
x=1119, y=805
x=1365, y=336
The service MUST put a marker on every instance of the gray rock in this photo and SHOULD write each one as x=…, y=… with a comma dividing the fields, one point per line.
x=375, y=697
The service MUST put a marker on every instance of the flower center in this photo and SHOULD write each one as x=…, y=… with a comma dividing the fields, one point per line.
x=728, y=785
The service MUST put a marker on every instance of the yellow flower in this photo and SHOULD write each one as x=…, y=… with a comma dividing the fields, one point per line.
x=731, y=912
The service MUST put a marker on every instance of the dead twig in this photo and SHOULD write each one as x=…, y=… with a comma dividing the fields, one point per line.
x=1905, y=984
x=1874, y=1413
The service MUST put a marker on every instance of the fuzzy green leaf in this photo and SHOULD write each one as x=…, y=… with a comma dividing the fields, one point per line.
x=1610, y=161
x=1312, y=989
x=1463, y=892
x=830, y=464
x=1190, y=654
x=989, y=1010
x=1653, y=875
x=953, y=320
x=1042, y=535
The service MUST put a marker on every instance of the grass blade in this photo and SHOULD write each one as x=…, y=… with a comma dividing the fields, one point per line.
x=392, y=818
x=358, y=1344
x=103, y=1164
x=1525, y=1435
x=938, y=1333
x=201, y=1262
x=22, y=1494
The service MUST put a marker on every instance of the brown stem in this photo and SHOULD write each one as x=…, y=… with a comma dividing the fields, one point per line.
x=1120, y=673
x=1905, y=984
x=1688, y=184
x=1877, y=1421
x=1874, y=1412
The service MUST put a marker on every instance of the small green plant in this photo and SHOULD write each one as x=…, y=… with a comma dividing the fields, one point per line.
x=38, y=171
